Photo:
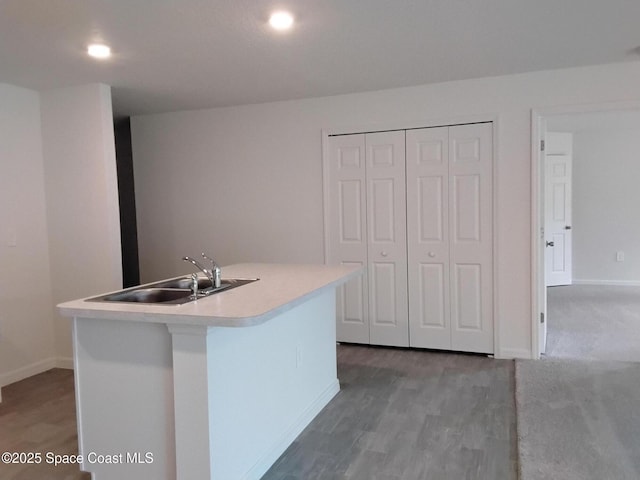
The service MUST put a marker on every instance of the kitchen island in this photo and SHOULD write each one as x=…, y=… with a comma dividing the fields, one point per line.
x=212, y=389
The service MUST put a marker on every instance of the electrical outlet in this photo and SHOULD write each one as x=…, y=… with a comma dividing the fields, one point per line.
x=619, y=256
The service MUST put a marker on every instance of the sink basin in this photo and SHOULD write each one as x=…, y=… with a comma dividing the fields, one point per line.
x=183, y=283
x=150, y=295
x=171, y=292
x=203, y=283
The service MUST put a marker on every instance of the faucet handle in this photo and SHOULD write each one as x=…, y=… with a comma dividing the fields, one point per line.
x=215, y=270
x=194, y=284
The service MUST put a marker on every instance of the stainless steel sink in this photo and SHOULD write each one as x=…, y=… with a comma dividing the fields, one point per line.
x=183, y=283
x=171, y=292
x=150, y=295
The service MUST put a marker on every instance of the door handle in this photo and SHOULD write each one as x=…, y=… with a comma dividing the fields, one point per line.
x=550, y=244
x=567, y=227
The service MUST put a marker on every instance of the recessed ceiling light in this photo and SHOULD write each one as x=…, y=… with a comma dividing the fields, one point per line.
x=281, y=20
x=98, y=50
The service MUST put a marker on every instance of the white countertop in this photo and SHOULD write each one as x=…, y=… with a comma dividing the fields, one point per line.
x=281, y=287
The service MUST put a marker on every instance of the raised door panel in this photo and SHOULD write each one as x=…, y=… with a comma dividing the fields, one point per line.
x=428, y=237
x=471, y=247
x=347, y=239
x=467, y=297
x=386, y=238
x=384, y=301
x=557, y=217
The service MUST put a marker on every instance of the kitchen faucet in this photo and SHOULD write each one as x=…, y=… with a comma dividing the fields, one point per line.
x=212, y=274
x=217, y=271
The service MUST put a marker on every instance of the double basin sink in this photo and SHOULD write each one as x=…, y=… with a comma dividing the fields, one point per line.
x=171, y=292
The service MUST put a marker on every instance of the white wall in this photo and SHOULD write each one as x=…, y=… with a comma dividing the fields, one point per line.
x=26, y=329
x=606, y=206
x=82, y=197
x=245, y=183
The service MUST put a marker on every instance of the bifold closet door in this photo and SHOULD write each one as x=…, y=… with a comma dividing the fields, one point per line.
x=428, y=237
x=386, y=238
x=471, y=229
x=367, y=227
x=347, y=243
x=450, y=244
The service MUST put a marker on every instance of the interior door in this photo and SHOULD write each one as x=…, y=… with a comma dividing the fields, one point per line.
x=557, y=218
x=471, y=231
x=428, y=237
x=386, y=238
x=541, y=300
x=347, y=232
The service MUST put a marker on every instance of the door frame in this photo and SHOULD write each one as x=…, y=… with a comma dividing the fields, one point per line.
x=538, y=130
x=494, y=118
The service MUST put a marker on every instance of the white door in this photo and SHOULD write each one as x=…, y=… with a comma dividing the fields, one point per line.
x=450, y=237
x=542, y=290
x=428, y=237
x=471, y=236
x=347, y=238
x=386, y=234
x=557, y=211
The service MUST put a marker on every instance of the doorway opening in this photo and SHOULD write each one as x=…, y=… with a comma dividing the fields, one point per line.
x=585, y=234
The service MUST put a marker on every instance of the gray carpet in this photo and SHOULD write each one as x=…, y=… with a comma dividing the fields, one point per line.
x=577, y=409
x=578, y=420
x=594, y=322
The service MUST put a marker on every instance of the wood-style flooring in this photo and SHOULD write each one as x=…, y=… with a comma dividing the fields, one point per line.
x=38, y=414
x=400, y=414
x=410, y=414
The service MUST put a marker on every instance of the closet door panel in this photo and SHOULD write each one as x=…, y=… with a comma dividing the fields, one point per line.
x=471, y=254
x=386, y=235
x=433, y=301
x=465, y=208
x=383, y=300
x=346, y=223
x=428, y=237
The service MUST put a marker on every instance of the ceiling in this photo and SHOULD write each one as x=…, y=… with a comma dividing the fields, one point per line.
x=173, y=55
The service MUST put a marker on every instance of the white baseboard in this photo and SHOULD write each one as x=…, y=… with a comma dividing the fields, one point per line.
x=508, y=353
x=64, y=362
x=280, y=445
x=27, y=371
x=34, y=369
x=613, y=283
